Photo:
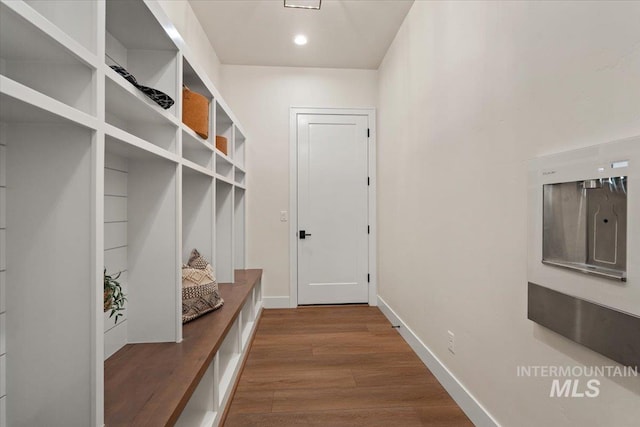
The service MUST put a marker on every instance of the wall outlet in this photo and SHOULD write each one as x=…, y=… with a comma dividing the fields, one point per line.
x=452, y=342
x=284, y=216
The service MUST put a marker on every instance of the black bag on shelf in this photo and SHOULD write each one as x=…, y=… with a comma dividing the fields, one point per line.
x=159, y=97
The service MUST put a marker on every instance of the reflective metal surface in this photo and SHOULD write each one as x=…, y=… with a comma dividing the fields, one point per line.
x=590, y=184
x=610, y=332
x=589, y=269
x=585, y=226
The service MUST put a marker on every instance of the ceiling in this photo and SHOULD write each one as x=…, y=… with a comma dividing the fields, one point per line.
x=342, y=34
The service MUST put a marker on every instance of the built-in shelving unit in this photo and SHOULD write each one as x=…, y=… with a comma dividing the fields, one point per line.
x=94, y=174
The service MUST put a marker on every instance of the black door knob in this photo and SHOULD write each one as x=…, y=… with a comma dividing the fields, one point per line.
x=303, y=234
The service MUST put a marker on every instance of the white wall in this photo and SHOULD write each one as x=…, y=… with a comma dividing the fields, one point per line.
x=186, y=22
x=468, y=92
x=261, y=97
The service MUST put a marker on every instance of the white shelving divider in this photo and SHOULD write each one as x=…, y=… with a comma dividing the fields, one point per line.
x=247, y=319
x=239, y=212
x=224, y=232
x=257, y=298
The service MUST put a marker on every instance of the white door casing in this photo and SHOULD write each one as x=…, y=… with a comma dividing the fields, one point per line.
x=333, y=200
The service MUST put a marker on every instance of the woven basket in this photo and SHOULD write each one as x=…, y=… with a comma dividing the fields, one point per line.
x=221, y=144
x=195, y=112
x=108, y=300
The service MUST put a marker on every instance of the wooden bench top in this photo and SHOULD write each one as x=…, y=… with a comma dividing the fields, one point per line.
x=150, y=384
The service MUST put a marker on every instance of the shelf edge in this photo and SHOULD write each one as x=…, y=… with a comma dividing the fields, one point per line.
x=43, y=102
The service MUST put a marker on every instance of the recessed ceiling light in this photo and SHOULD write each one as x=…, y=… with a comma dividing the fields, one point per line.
x=303, y=4
x=300, y=39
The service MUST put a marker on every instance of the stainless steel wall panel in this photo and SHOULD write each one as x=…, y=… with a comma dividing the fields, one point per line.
x=612, y=333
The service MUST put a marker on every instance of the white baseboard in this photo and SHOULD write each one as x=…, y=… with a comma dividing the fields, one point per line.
x=275, y=302
x=474, y=410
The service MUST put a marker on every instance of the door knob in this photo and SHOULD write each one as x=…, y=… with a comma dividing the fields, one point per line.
x=304, y=234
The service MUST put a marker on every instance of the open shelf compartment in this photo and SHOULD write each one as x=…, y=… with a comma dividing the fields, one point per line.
x=239, y=176
x=257, y=298
x=78, y=19
x=228, y=361
x=53, y=160
x=34, y=59
x=239, y=211
x=224, y=167
x=202, y=408
x=224, y=232
x=197, y=215
x=194, y=147
x=141, y=192
x=224, y=128
x=133, y=113
x=247, y=318
x=137, y=42
x=239, y=144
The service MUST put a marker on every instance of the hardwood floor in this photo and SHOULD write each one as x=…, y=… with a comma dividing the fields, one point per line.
x=336, y=366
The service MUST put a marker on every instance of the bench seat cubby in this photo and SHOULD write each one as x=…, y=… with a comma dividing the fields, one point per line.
x=188, y=383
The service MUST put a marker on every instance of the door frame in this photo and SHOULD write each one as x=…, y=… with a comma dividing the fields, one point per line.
x=293, y=195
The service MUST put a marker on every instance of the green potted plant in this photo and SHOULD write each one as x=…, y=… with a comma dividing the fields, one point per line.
x=114, y=298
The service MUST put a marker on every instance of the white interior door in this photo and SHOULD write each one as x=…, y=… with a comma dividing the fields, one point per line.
x=332, y=209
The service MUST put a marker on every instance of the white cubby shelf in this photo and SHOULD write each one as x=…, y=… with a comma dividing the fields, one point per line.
x=48, y=62
x=93, y=175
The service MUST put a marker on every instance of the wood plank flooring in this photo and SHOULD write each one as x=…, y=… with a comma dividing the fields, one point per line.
x=336, y=366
